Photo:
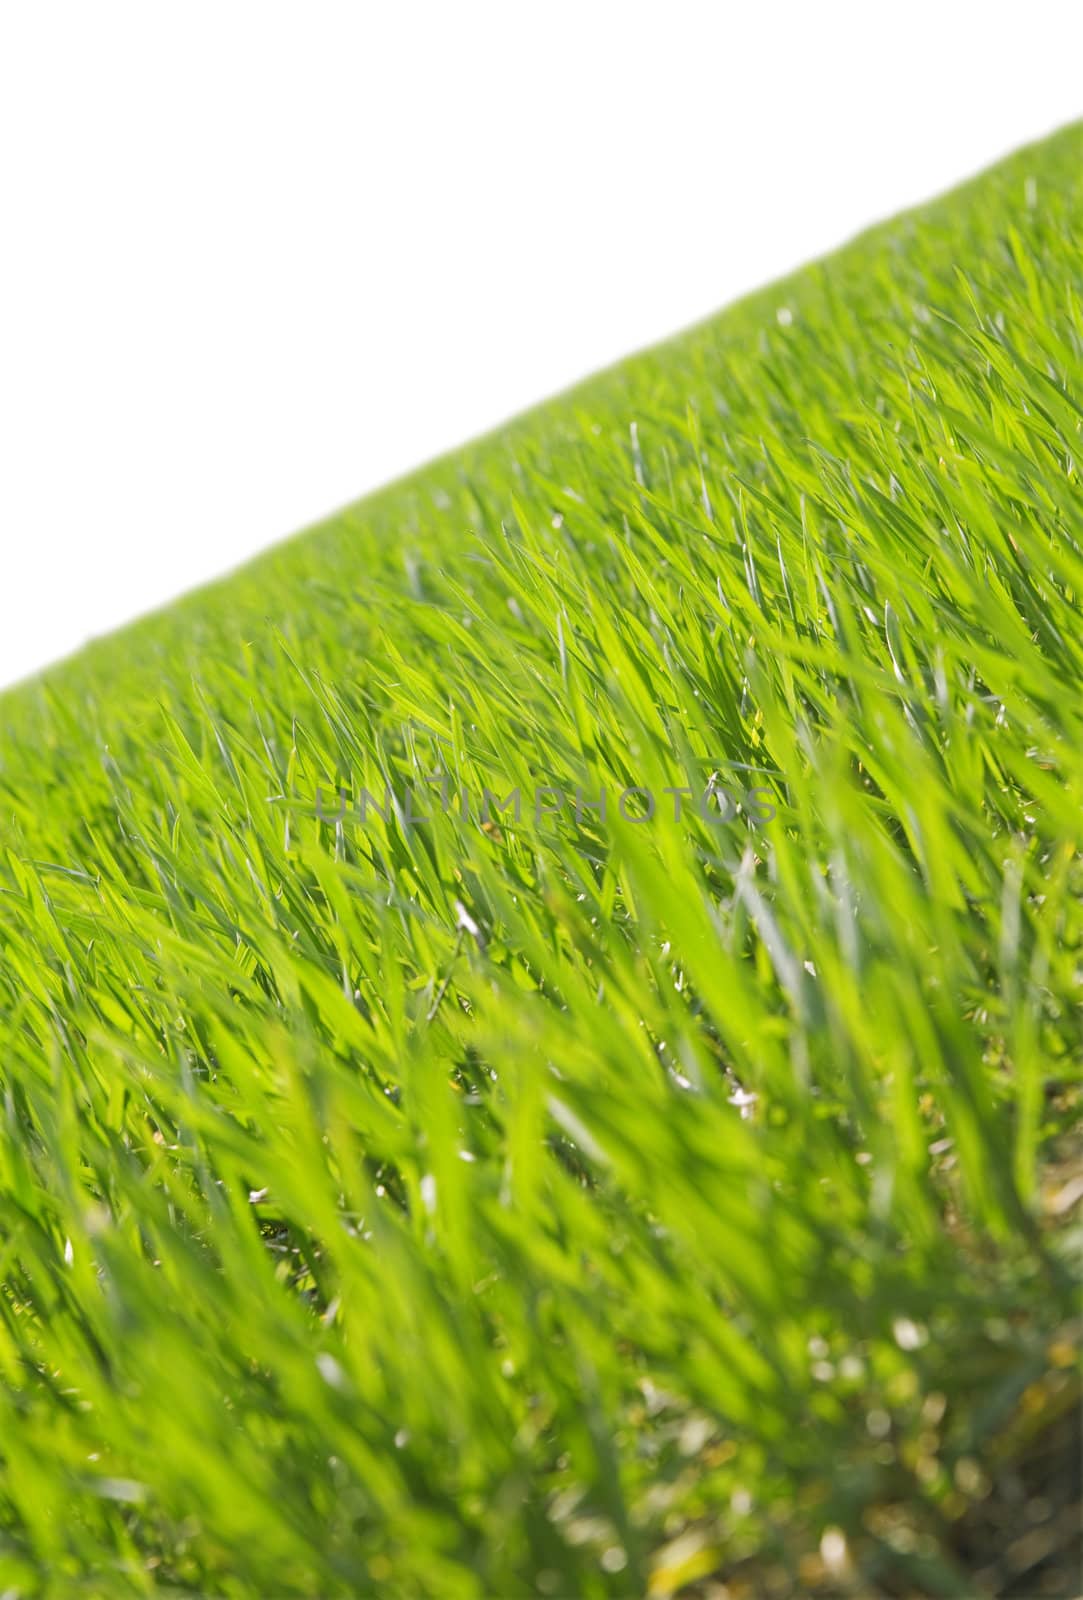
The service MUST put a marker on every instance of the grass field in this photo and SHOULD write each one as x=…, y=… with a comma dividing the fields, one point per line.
x=570, y=1204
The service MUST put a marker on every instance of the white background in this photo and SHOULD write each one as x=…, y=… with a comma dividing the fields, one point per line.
x=258, y=258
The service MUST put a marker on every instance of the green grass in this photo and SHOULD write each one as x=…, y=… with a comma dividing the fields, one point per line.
x=578, y=1208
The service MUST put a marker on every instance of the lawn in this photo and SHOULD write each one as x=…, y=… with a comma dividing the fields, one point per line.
x=425, y=1177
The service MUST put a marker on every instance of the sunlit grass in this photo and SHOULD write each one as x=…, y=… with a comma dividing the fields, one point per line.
x=569, y=1206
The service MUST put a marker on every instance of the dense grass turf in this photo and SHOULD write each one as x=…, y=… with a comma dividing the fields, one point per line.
x=573, y=1206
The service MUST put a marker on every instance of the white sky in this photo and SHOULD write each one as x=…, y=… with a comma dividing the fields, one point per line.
x=258, y=258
